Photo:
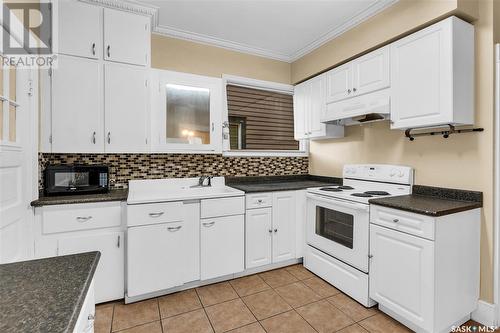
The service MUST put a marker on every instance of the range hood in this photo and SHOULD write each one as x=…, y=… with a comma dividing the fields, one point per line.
x=363, y=109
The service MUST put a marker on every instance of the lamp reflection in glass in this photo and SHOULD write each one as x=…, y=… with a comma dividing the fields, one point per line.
x=188, y=114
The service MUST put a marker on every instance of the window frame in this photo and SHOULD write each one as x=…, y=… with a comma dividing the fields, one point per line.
x=261, y=85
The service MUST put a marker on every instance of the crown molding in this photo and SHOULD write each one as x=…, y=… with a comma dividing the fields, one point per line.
x=128, y=6
x=355, y=20
x=152, y=11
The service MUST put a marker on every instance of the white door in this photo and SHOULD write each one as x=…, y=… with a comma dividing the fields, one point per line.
x=283, y=226
x=17, y=157
x=339, y=83
x=421, y=74
x=77, y=116
x=300, y=110
x=80, y=29
x=109, y=276
x=402, y=274
x=371, y=72
x=222, y=246
x=154, y=257
x=317, y=106
x=126, y=37
x=258, y=237
x=125, y=108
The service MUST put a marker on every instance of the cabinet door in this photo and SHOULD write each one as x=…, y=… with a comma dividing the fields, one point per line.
x=258, y=237
x=402, y=274
x=421, y=74
x=300, y=223
x=80, y=29
x=371, y=72
x=300, y=110
x=222, y=246
x=109, y=276
x=125, y=108
x=77, y=117
x=317, y=106
x=339, y=83
x=126, y=37
x=154, y=257
x=283, y=226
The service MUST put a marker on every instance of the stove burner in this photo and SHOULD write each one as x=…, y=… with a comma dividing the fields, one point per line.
x=330, y=189
x=345, y=187
x=377, y=193
x=362, y=195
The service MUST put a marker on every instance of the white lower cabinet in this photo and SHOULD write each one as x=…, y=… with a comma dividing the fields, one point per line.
x=222, y=246
x=270, y=233
x=86, y=318
x=110, y=272
x=154, y=257
x=417, y=275
x=402, y=274
x=77, y=228
x=258, y=237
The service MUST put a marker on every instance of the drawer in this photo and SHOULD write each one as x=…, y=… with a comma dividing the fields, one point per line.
x=259, y=200
x=222, y=207
x=411, y=223
x=64, y=218
x=155, y=213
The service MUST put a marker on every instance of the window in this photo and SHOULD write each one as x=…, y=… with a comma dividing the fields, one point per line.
x=259, y=118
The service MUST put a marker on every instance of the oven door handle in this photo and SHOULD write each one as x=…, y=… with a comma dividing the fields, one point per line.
x=343, y=203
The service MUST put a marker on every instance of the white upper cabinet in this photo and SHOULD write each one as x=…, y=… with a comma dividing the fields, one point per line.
x=126, y=108
x=371, y=72
x=77, y=114
x=185, y=112
x=339, y=83
x=126, y=37
x=432, y=75
x=309, y=108
x=79, y=29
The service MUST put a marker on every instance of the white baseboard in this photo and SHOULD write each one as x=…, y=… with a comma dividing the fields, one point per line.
x=485, y=313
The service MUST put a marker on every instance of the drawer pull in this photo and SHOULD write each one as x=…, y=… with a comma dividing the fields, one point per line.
x=83, y=218
x=174, y=229
x=259, y=201
x=156, y=214
x=395, y=220
x=208, y=224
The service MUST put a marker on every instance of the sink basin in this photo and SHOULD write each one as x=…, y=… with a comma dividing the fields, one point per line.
x=176, y=189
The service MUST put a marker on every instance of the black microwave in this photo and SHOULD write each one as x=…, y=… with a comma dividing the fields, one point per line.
x=75, y=179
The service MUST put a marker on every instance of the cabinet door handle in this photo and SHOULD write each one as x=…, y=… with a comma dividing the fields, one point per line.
x=395, y=220
x=348, y=91
x=174, y=229
x=93, y=138
x=93, y=48
x=370, y=256
x=109, y=51
x=270, y=231
x=208, y=224
x=109, y=137
x=156, y=214
x=118, y=242
x=83, y=218
x=275, y=230
x=354, y=89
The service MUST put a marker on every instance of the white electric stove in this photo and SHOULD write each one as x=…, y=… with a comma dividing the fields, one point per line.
x=338, y=224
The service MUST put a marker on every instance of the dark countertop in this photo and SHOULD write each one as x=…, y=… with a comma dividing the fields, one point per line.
x=45, y=295
x=280, y=183
x=433, y=201
x=112, y=195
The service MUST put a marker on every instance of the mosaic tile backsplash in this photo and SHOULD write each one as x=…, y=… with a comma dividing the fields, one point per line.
x=125, y=167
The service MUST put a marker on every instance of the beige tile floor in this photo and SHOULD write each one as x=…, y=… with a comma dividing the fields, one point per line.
x=288, y=300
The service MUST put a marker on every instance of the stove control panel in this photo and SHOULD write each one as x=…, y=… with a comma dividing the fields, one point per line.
x=380, y=172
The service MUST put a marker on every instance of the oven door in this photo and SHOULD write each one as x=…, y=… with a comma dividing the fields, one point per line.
x=339, y=228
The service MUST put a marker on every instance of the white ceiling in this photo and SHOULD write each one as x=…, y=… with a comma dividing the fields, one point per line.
x=278, y=29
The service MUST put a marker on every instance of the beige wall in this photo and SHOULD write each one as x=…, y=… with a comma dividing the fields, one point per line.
x=462, y=161
x=184, y=56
